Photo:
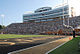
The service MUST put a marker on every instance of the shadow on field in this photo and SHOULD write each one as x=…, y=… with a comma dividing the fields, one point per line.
x=7, y=49
x=21, y=43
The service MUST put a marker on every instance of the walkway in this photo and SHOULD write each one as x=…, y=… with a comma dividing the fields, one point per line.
x=42, y=49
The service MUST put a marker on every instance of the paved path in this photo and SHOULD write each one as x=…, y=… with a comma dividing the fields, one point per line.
x=42, y=49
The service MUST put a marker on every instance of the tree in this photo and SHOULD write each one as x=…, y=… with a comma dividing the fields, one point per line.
x=0, y=27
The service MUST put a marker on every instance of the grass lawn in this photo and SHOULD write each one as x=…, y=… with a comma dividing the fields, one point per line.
x=70, y=47
x=4, y=36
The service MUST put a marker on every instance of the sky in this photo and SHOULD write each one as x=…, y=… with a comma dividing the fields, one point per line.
x=13, y=10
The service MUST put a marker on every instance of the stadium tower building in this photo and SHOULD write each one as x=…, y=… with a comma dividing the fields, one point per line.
x=69, y=9
x=45, y=14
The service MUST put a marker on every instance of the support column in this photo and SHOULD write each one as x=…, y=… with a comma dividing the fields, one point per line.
x=73, y=34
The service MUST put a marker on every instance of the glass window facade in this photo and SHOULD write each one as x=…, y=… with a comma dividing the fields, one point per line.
x=57, y=12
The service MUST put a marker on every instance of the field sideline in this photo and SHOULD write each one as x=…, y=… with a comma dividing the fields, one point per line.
x=70, y=47
x=4, y=36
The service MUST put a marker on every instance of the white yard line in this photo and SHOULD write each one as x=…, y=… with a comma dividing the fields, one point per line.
x=55, y=48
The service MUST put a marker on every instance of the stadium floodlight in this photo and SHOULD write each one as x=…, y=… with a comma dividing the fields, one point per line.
x=2, y=15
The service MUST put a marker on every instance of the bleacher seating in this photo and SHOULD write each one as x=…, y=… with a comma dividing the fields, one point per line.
x=44, y=27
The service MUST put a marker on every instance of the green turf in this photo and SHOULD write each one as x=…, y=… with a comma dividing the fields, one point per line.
x=4, y=36
x=70, y=47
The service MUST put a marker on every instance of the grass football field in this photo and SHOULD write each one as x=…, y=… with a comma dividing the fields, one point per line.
x=71, y=47
x=4, y=36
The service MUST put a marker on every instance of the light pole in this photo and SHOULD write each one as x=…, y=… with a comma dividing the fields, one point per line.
x=63, y=14
x=68, y=13
x=68, y=26
x=2, y=15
